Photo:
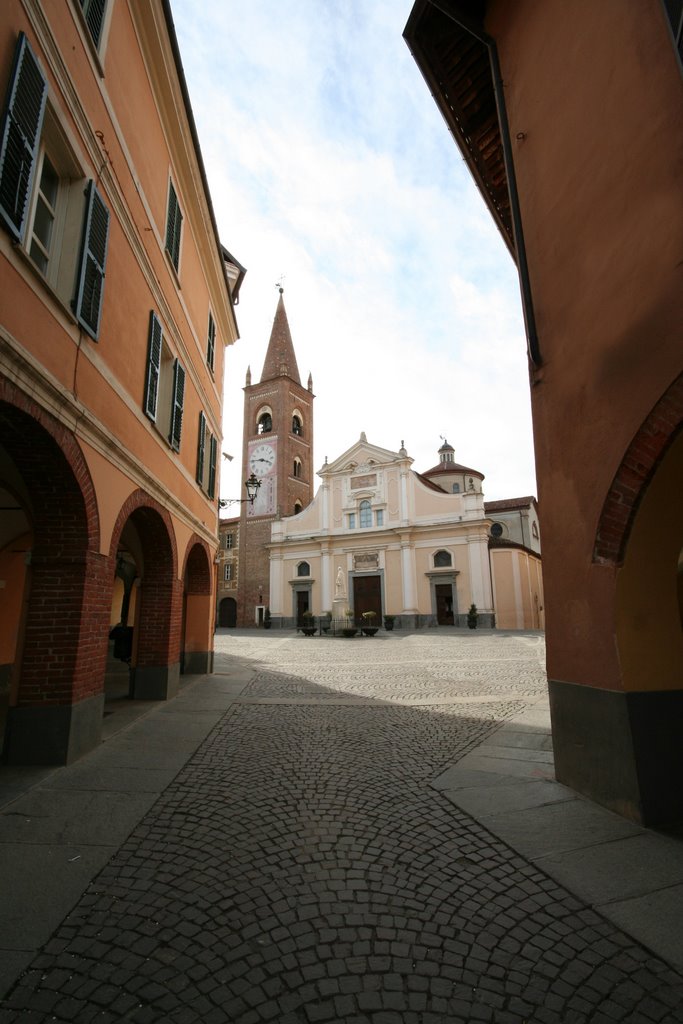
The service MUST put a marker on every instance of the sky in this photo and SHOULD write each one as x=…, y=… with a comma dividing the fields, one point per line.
x=331, y=170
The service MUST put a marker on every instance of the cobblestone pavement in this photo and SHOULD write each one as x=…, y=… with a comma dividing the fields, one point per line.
x=301, y=868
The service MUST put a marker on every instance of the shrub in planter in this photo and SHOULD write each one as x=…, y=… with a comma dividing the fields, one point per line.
x=368, y=627
x=472, y=616
x=349, y=629
x=389, y=621
x=308, y=627
x=266, y=619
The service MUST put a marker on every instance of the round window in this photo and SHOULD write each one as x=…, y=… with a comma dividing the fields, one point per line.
x=496, y=530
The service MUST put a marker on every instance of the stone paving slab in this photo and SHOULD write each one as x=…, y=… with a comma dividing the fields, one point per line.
x=613, y=871
x=632, y=875
x=73, y=816
x=497, y=796
x=309, y=862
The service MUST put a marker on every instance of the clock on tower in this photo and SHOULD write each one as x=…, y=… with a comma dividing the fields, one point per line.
x=262, y=461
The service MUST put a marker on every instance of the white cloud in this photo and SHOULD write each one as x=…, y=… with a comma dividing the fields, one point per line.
x=329, y=162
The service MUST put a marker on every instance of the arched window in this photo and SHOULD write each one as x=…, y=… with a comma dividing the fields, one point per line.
x=265, y=423
x=442, y=559
x=297, y=507
x=534, y=530
x=297, y=467
x=303, y=569
x=365, y=514
x=456, y=488
x=297, y=427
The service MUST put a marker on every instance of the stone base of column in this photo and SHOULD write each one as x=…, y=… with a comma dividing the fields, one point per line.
x=155, y=682
x=56, y=734
x=198, y=663
x=622, y=750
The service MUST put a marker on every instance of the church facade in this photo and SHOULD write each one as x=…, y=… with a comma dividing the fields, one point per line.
x=380, y=537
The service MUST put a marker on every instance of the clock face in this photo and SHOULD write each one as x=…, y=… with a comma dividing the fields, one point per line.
x=262, y=459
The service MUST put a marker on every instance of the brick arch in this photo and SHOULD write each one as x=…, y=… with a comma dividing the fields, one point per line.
x=631, y=480
x=197, y=572
x=53, y=466
x=158, y=618
x=64, y=635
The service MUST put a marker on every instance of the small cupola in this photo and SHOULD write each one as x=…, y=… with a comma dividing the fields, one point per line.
x=446, y=453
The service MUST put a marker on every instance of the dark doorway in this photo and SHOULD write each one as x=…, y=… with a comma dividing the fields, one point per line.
x=227, y=612
x=301, y=606
x=444, y=604
x=367, y=596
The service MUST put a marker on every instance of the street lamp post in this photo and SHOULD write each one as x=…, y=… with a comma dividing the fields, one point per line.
x=252, y=485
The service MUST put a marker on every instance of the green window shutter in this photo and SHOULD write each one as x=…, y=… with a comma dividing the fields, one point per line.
x=211, y=343
x=21, y=127
x=213, y=451
x=174, y=222
x=153, y=367
x=201, y=444
x=177, y=405
x=90, y=284
x=93, y=11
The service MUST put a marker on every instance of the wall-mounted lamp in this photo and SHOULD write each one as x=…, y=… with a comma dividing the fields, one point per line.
x=252, y=485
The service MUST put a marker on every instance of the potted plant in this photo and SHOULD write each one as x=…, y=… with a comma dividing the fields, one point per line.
x=349, y=629
x=308, y=628
x=326, y=622
x=472, y=616
x=266, y=619
x=369, y=628
x=389, y=621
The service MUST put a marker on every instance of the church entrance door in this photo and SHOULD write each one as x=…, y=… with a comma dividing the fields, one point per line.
x=444, y=604
x=367, y=596
x=301, y=606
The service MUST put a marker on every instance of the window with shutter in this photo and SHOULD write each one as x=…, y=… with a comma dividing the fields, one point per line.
x=211, y=344
x=154, y=349
x=206, y=462
x=174, y=220
x=21, y=130
x=45, y=202
x=177, y=405
x=93, y=12
x=164, y=385
x=92, y=264
x=201, y=445
x=213, y=451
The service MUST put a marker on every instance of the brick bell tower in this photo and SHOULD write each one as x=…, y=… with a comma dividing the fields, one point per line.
x=277, y=445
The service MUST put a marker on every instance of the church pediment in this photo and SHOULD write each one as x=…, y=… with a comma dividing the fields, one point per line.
x=363, y=459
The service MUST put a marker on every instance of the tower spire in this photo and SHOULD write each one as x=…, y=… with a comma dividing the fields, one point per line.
x=280, y=360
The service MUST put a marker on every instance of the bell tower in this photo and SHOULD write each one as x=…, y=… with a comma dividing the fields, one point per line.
x=277, y=446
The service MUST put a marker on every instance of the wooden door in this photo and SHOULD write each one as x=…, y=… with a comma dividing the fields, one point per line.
x=301, y=606
x=367, y=597
x=444, y=604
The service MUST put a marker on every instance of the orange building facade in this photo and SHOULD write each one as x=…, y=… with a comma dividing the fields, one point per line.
x=569, y=117
x=117, y=304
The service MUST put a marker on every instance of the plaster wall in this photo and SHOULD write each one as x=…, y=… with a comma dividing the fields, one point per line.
x=107, y=378
x=603, y=223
